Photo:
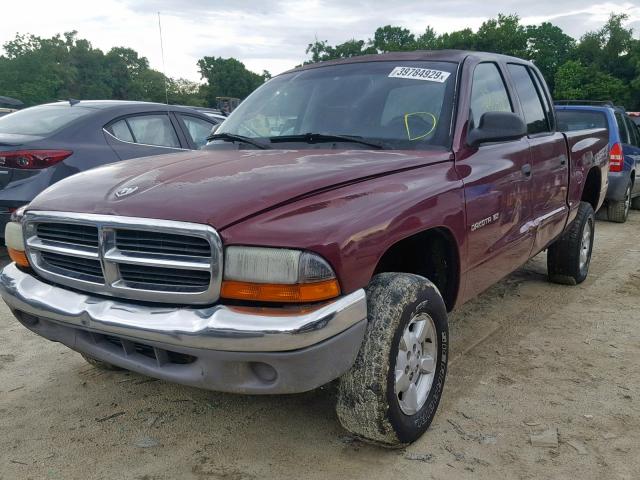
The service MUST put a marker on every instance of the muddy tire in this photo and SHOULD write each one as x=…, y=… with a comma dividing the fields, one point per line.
x=100, y=364
x=618, y=212
x=568, y=258
x=391, y=393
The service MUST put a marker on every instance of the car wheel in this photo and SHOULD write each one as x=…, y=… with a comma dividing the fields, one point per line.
x=568, y=258
x=619, y=211
x=100, y=364
x=391, y=393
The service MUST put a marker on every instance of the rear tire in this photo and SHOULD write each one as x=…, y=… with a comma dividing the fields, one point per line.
x=568, y=258
x=100, y=364
x=618, y=212
x=391, y=393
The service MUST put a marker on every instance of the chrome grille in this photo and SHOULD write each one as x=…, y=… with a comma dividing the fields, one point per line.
x=79, y=266
x=69, y=233
x=155, y=242
x=155, y=277
x=136, y=258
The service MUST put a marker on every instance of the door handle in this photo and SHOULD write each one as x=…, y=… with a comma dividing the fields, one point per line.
x=563, y=161
x=526, y=170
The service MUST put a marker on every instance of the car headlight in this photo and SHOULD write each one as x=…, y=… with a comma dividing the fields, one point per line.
x=14, y=240
x=277, y=275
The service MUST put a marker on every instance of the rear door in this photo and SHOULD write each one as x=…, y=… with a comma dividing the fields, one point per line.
x=548, y=152
x=143, y=135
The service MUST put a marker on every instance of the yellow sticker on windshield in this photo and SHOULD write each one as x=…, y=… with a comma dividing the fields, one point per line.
x=419, y=115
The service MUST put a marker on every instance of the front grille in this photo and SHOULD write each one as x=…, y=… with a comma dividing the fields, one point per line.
x=68, y=265
x=160, y=278
x=162, y=243
x=141, y=259
x=69, y=233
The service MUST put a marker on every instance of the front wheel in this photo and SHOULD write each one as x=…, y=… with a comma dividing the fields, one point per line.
x=569, y=257
x=391, y=393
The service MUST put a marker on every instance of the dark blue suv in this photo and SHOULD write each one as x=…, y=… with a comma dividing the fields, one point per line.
x=624, y=150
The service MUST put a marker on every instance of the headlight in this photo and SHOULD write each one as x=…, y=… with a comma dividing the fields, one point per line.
x=277, y=275
x=14, y=240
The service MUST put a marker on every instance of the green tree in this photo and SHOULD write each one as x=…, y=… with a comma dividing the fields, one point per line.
x=393, y=39
x=575, y=81
x=549, y=47
x=228, y=77
x=502, y=35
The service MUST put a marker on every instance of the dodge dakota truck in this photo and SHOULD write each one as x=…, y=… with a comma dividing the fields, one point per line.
x=331, y=223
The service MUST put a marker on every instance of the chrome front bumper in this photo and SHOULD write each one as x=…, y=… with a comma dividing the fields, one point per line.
x=221, y=328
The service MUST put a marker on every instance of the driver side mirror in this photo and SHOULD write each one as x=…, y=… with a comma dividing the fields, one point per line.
x=497, y=127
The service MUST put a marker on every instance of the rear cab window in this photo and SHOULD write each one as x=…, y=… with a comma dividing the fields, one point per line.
x=43, y=120
x=153, y=129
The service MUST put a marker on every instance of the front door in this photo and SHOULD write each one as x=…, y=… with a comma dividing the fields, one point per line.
x=497, y=191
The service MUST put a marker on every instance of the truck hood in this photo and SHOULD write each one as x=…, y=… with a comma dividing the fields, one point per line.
x=220, y=187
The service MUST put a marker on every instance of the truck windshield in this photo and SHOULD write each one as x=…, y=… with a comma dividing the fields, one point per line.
x=401, y=105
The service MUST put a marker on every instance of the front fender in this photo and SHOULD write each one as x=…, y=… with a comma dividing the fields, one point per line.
x=354, y=225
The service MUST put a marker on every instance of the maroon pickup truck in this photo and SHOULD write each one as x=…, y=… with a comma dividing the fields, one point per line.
x=329, y=226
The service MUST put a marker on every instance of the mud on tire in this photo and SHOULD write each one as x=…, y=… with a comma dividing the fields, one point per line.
x=368, y=405
x=568, y=258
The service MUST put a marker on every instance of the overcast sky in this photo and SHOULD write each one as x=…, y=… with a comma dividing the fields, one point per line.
x=273, y=34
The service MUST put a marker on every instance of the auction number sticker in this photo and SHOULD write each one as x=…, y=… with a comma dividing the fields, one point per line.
x=415, y=73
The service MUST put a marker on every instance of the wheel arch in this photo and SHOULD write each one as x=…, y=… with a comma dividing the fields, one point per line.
x=591, y=190
x=432, y=253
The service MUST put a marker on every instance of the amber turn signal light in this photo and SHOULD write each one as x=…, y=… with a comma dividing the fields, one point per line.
x=19, y=257
x=267, y=292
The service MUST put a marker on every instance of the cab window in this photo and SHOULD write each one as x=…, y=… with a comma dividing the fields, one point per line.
x=488, y=93
x=534, y=112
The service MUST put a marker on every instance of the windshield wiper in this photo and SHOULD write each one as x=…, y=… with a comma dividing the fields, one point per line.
x=238, y=138
x=321, y=137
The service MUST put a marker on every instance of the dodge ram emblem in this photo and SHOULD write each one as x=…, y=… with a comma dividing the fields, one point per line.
x=123, y=192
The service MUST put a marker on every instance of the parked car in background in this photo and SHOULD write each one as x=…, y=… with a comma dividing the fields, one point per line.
x=5, y=111
x=42, y=145
x=635, y=117
x=336, y=217
x=624, y=150
x=213, y=113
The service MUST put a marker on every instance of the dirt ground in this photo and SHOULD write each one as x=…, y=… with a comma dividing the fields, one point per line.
x=527, y=356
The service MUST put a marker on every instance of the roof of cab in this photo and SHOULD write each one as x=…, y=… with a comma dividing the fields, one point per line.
x=455, y=56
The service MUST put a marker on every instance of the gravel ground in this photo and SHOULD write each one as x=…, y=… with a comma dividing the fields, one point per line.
x=528, y=358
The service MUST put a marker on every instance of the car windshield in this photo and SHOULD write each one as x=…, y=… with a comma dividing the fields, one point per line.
x=403, y=105
x=42, y=120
